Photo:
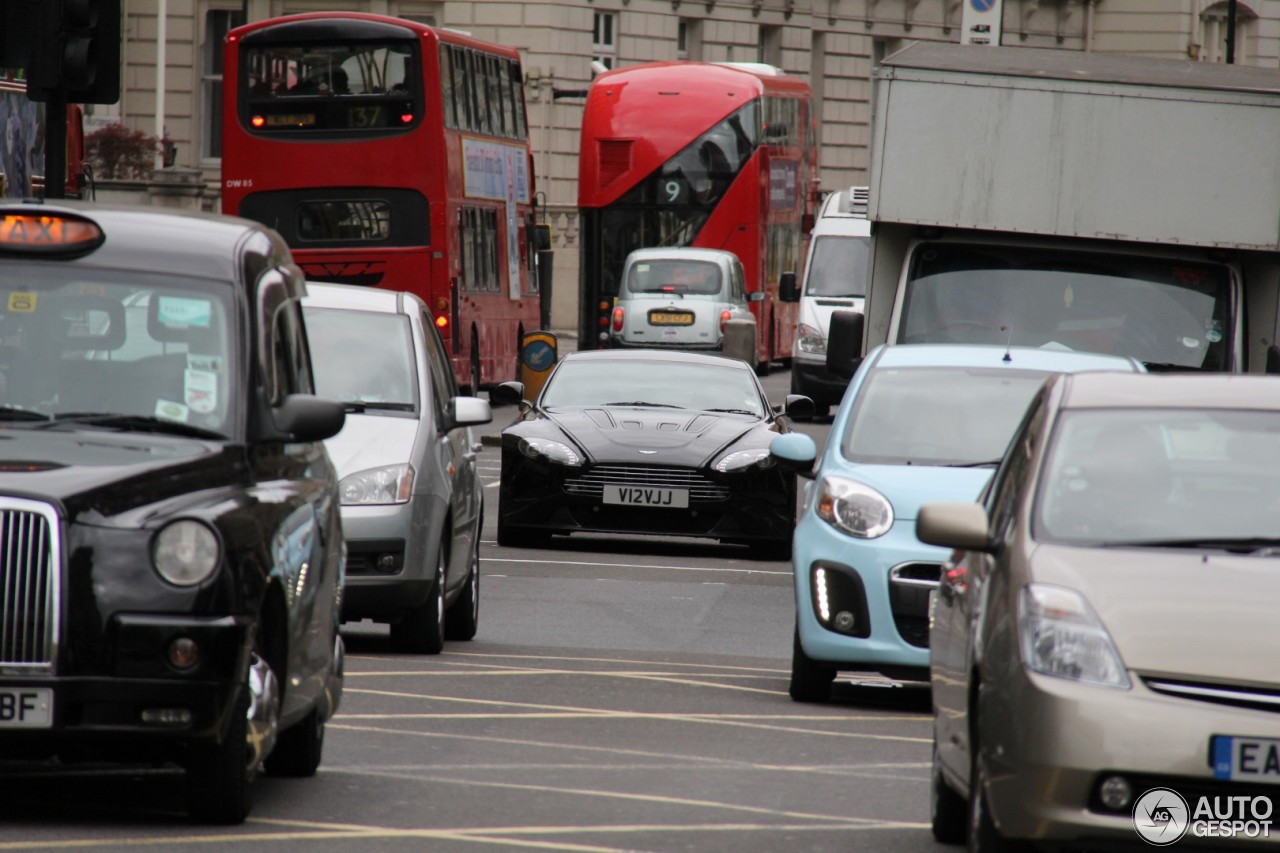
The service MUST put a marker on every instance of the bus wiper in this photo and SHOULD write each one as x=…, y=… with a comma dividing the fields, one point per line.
x=1243, y=545
x=17, y=413
x=136, y=423
x=643, y=403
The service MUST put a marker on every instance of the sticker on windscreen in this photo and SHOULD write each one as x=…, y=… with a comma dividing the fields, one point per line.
x=171, y=410
x=200, y=391
x=182, y=312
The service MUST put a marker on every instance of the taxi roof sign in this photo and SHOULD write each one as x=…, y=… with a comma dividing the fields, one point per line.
x=48, y=233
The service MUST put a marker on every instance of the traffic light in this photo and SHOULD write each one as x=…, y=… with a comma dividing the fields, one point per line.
x=75, y=47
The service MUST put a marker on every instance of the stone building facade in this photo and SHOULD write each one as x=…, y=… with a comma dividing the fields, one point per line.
x=833, y=43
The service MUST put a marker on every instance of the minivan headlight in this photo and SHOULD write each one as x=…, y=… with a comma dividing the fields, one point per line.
x=1062, y=636
x=391, y=484
x=185, y=552
x=809, y=339
x=853, y=508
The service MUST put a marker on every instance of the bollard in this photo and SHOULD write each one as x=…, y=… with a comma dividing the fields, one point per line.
x=538, y=354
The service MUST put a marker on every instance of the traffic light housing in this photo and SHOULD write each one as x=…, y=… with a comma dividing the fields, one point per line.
x=75, y=48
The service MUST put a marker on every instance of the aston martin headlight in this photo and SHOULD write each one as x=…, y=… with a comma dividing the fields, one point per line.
x=853, y=508
x=740, y=459
x=555, y=451
x=1063, y=636
x=391, y=484
x=809, y=339
x=185, y=552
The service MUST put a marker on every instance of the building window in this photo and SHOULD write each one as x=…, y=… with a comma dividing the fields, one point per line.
x=217, y=23
x=769, y=46
x=1213, y=33
x=689, y=40
x=604, y=40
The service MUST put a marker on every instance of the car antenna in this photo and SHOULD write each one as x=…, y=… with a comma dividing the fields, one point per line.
x=1008, y=343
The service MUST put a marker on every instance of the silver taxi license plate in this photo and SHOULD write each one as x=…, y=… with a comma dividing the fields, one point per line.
x=1246, y=759
x=646, y=496
x=26, y=707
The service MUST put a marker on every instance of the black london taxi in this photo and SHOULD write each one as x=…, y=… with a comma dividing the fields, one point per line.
x=171, y=554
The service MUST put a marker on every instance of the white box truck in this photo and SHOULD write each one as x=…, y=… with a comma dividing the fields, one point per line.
x=1041, y=197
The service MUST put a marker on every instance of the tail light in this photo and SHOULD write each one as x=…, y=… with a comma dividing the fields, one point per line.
x=725, y=316
x=617, y=319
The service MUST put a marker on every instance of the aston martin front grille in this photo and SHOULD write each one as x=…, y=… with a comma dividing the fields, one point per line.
x=29, y=585
x=591, y=483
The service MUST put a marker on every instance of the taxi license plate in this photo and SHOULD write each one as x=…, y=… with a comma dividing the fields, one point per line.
x=670, y=318
x=26, y=707
x=1246, y=759
x=646, y=496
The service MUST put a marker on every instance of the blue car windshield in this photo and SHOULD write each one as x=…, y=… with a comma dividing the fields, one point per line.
x=937, y=415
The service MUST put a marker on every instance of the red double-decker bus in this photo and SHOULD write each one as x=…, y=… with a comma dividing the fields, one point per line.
x=714, y=155
x=391, y=154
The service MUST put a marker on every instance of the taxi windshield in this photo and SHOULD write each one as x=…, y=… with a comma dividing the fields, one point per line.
x=77, y=341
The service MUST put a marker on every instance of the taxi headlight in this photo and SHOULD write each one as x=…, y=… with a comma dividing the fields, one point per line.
x=740, y=459
x=555, y=451
x=185, y=552
x=391, y=484
x=853, y=508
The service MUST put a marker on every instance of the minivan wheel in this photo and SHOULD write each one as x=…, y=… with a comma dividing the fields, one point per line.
x=421, y=630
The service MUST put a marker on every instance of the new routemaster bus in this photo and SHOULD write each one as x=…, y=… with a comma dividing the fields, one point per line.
x=714, y=155
x=391, y=154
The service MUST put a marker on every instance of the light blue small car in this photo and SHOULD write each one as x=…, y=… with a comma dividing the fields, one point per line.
x=918, y=423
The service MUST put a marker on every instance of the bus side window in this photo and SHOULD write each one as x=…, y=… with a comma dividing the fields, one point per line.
x=446, y=87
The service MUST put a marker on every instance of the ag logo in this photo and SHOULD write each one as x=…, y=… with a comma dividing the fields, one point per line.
x=1161, y=816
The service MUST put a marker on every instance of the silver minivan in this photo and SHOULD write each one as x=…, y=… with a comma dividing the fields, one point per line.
x=681, y=298
x=411, y=497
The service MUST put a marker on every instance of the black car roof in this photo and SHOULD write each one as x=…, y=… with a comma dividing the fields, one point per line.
x=182, y=242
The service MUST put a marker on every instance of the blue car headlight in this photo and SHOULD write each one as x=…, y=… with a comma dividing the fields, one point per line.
x=554, y=451
x=853, y=508
x=740, y=459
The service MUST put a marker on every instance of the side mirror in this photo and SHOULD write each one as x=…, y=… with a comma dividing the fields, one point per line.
x=961, y=526
x=755, y=296
x=468, y=411
x=303, y=417
x=787, y=289
x=795, y=452
x=507, y=394
x=799, y=407
x=844, y=343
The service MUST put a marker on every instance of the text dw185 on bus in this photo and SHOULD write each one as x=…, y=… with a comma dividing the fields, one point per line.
x=391, y=154
x=713, y=155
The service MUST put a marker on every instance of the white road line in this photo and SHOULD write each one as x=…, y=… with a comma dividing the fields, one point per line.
x=632, y=566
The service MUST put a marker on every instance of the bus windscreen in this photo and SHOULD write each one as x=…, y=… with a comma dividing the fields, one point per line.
x=342, y=87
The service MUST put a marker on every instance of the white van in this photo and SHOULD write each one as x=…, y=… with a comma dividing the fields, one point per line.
x=835, y=278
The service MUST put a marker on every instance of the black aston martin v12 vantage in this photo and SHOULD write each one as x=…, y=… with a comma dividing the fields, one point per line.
x=648, y=442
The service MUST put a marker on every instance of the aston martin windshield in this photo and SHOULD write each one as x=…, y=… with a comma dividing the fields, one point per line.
x=653, y=383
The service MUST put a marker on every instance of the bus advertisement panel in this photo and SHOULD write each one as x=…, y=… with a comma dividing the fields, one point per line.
x=732, y=164
x=391, y=154
x=22, y=141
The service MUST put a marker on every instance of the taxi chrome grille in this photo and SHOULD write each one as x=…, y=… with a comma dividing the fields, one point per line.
x=29, y=585
x=591, y=483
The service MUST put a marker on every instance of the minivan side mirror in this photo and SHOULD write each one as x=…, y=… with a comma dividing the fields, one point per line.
x=844, y=343
x=787, y=289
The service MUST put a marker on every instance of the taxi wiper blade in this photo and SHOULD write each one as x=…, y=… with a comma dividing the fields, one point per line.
x=137, y=423
x=986, y=463
x=17, y=413
x=643, y=403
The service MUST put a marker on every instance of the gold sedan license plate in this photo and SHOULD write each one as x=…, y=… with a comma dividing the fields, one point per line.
x=670, y=318
x=646, y=496
x=1252, y=759
x=26, y=707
